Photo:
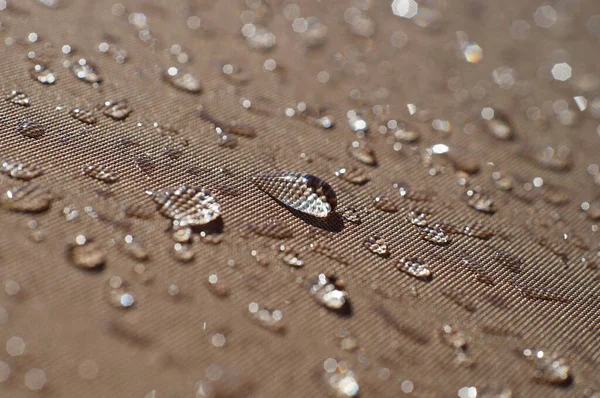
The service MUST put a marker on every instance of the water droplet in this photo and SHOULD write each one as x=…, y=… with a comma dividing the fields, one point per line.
x=340, y=379
x=301, y=192
x=186, y=82
x=42, y=74
x=353, y=175
x=503, y=181
x=20, y=171
x=85, y=71
x=19, y=98
x=315, y=34
x=359, y=23
x=31, y=129
x=217, y=286
x=559, y=159
x=292, y=259
x=480, y=202
x=236, y=74
x=593, y=210
x=497, y=124
x=182, y=235
x=377, y=245
x=183, y=253
x=454, y=337
x=362, y=152
x=350, y=214
x=549, y=368
x=117, y=110
x=259, y=37
x=435, y=234
x=385, y=203
x=227, y=141
x=83, y=115
x=328, y=291
x=356, y=122
x=267, y=318
x=87, y=254
x=118, y=294
x=414, y=267
x=509, y=261
x=188, y=206
x=27, y=198
x=556, y=195
x=135, y=249
x=100, y=174
x=211, y=238
x=417, y=218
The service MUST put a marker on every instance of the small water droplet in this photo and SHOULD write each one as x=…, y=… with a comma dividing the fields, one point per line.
x=353, y=175
x=480, y=202
x=100, y=174
x=135, y=249
x=42, y=74
x=183, y=252
x=259, y=37
x=19, y=98
x=356, y=122
x=301, y=192
x=267, y=318
x=385, y=203
x=292, y=259
x=497, y=124
x=187, y=82
x=217, y=286
x=182, y=235
x=117, y=110
x=362, y=152
x=350, y=214
x=85, y=71
x=19, y=171
x=435, y=234
x=83, y=115
x=414, y=267
x=188, y=206
x=556, y=195
x=227, y=141
x=119, y=295
x=30, y=129
x=86, y=254
x=556, y=159
x=328, y=291
x=549, y=368
x=341, y=380
x=315, y=34
x=454, y=337
x=377, y=245
x=27, y=198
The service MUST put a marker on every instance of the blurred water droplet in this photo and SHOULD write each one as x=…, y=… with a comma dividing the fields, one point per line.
x=135, y=249
x=377, y=245
x=272, y=229
x=414, y=267
x=217, y=287
x=86, y=254
x=42, y=74
x=236, y=74
x=186, y=82
x=353, y=175
x=117, y=110
x=267, y=318
x=119, y=295
x=227, y=141
x=509, y=261
x=100, y=174
x=497, y=124
x=558, y=159
x=35, y=378
x=549, y=368
x=301, y=192
x=85, y=71
x=83, y=115
x=292, y=259
x=187, y=206
x=385, y=203
x=19, y=98
x=503, y=181
x=454, y=337
x=356, y=122
x=315, y=34
x=259, y=37
x=592, y=210
x=27, y=198
x=31, y=129
x=480, y=202
x=340, y=379
x=362, y=152
x=183, y=253
x=182, y=235
x=20, y=171
x=328, y=291
x=556, y=195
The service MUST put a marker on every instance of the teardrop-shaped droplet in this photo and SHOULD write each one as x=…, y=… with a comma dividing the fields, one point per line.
x=85, y=71
x=27, y=198
x=414, y=267
x=435, y=234
x=101, y=174
x=19, y=171
x=377, y=245
x=31, y=129
x=117, y=110
x=188, y=206
x=328, y=292
x=509, y=261
x=19, y=98
x=353, y=175
x=42, y=74
x=87, y=254
x=302, y=192
x=83, y=115
x=187, y=82
x=498, y=124
x=267, y=318
x=362, y=152
x=385, y=203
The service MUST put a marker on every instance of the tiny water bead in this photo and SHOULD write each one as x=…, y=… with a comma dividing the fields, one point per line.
x=86, y=71
x=267, y=318
x=385, y=203
x=31, y=129
x=182, y=81
x=42, y=74
x=187, y=206
x=353, y=175
x=362, y=152
x=291, y=258
x=417, y=218
x=377, y=245
x=415, y=267
x=86, y=254
x=301, y=192
x=19, y=98
x=116, y=110
x=19, y=171
x=83, y=115
x=100, y=174
x=329, y=292
x=27, y=198
x=435, y=234
x=557, y=159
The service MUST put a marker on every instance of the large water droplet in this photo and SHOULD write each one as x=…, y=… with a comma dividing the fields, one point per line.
x=100, y=174
x=19, y=98
x=20, y=171
x=83, y=115
x=117, y=110
x=87, y=254
x=414, y=267
x=42, y=74
x=85, y=71
x=377, y=245
x=188, y=206
x=362, y=152
x=31, y=129
x=353, y=175
x=301, y=192
x=329, y=292
x=267, y=318
x=187, y=82
x=27, y=198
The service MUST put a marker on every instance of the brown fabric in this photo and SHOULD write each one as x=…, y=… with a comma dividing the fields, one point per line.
x=163, y=343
